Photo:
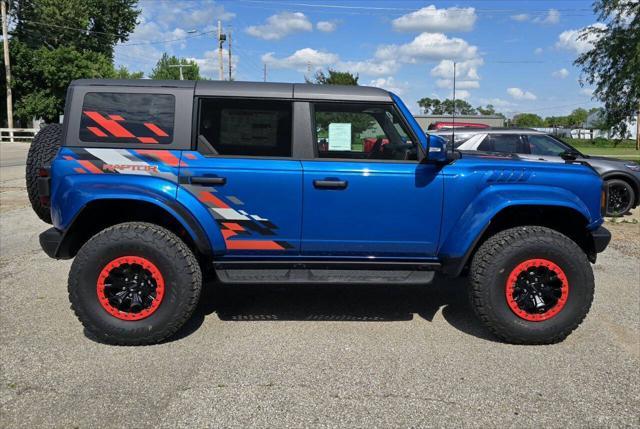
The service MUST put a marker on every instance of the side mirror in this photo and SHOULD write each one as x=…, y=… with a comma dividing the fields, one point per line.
x=436, y=148
x=568, y=156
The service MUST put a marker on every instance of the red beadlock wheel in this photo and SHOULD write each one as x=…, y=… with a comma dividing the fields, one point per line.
x=130, y=288
x=537, y=290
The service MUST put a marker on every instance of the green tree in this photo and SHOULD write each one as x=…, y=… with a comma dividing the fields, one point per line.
x=87, y=25
x=430, y=105
x=577, y=118
x=527, y=120
x=488, y=110
x=56, y=41
x=124, y=73
x=163, y=69
x=613, y=62
x=446, y=107
x=555, y=121
x=41, y=77
x=333, y=77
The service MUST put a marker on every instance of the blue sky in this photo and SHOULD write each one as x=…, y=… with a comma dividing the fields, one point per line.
x=516, y=55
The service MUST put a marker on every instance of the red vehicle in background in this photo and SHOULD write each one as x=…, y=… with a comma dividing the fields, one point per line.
x=449, y=125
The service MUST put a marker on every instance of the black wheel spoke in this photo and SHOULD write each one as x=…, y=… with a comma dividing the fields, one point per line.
x=537, y=290
x=130, y=288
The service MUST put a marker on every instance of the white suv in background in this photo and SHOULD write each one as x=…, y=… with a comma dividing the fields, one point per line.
x=622, y=176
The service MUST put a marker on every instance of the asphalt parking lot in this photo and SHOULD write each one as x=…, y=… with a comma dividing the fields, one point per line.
x=286, y=356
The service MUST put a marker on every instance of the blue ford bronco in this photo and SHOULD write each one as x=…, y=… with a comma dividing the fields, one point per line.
x=150, y=185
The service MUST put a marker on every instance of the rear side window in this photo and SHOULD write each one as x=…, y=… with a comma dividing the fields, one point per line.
x=505, y=143
x=246, y=127
x=115, y=117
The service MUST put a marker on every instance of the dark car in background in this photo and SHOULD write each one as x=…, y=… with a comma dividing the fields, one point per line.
x=621, y=176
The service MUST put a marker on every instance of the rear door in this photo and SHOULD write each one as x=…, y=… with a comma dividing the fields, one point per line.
x=244, y=172
x=365, y=193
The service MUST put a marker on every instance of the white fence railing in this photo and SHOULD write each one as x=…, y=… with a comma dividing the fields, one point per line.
x=17, y=134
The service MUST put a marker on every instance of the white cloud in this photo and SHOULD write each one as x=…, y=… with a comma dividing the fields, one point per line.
x=390, y=84
x=519, y=94
x=301, y=60
x=462, y=94
x=538, y=51
x=570, y=40
x=326, y=26
x=388, y=58
x=281, y=25
x=460, y=84
x=466, y=74
x=587, y=91
x=190, y=15
x=552, y=17
x=522, y=17
x=435, y=20
x=371, y=67
x=209, y=65
x=163, y=22
x=560, y=74
x=428, y=46
x=495, y=102
x=464, y=69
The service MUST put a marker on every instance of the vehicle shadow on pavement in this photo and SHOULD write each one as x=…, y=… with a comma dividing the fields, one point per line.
x=336, y=302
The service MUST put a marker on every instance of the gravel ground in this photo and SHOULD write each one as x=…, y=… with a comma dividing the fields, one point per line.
x=285, y=356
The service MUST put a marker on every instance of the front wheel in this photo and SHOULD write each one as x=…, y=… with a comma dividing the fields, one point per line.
x=134, y=283
x=531, y=285
x=621, y=197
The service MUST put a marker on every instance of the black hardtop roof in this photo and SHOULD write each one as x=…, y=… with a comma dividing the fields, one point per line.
x=303, y=91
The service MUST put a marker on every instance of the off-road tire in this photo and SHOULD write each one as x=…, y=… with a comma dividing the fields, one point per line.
x=175, y=261
x=43, y=149
x=620, y=184
x=502, y=253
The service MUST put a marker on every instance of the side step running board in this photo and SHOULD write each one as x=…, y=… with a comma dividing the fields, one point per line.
x=313, y=275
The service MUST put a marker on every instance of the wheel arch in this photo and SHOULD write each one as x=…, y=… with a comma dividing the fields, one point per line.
x=565, y=219
x=620, y=175
x=102, y=213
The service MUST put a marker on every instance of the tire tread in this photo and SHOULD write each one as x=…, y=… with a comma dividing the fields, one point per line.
x=512, y=239
x=171, y=245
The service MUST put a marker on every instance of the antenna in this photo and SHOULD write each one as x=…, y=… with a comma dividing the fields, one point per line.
x=453, y=114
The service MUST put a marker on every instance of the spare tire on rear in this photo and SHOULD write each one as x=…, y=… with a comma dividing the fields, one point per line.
x=43, y=149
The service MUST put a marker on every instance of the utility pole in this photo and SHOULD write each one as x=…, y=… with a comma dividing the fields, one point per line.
x=638, y=129
x=229, y=39
x=7, y=68
x=264, y=72
x=221, y=39
x=453, y=116
x=180, y=66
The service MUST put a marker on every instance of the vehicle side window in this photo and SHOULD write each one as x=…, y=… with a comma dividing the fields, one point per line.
x=545, y=146
x=362, y=131
x=116, y=117
x=246, y=127
x=504, y=143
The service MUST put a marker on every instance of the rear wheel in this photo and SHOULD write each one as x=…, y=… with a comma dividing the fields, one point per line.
x=43, y=149
x=621, y=197
x=531, y=285
x=134, y=283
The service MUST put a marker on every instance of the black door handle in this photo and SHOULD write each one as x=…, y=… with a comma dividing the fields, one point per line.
x=330, y=184
x=204, y=180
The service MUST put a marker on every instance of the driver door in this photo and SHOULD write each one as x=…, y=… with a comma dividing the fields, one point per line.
x=365, y=193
